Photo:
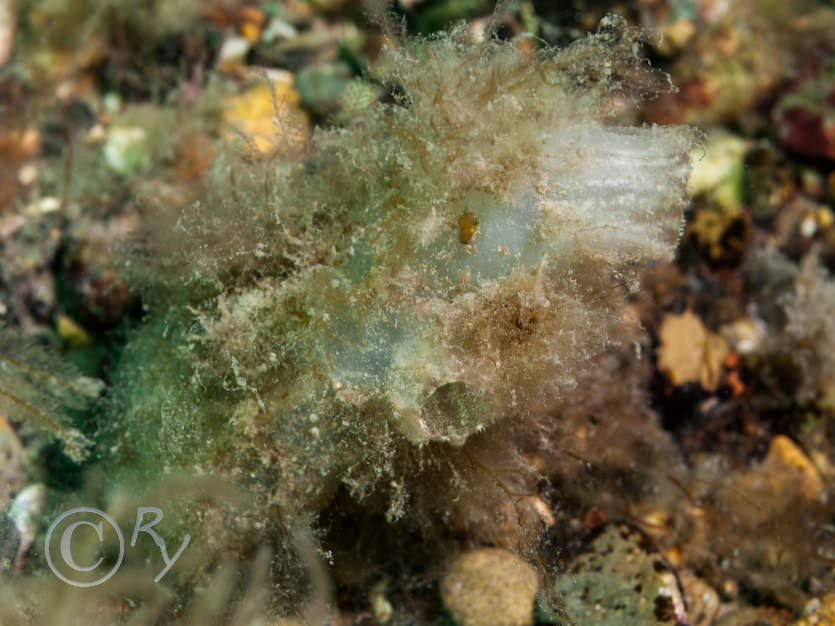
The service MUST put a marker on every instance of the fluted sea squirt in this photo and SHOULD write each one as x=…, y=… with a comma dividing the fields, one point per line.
x=441, y=262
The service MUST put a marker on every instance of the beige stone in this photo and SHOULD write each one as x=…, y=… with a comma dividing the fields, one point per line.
x=490, y=587
x=786, y=477
x=689, y=352
x=787, y=473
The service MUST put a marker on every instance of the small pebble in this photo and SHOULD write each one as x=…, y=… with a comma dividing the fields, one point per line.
x=233, y=52
x=25, y=512
x=785, y=477
x=126, y=149
x=490, y=587
x=27, y=174
x=619, y=578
